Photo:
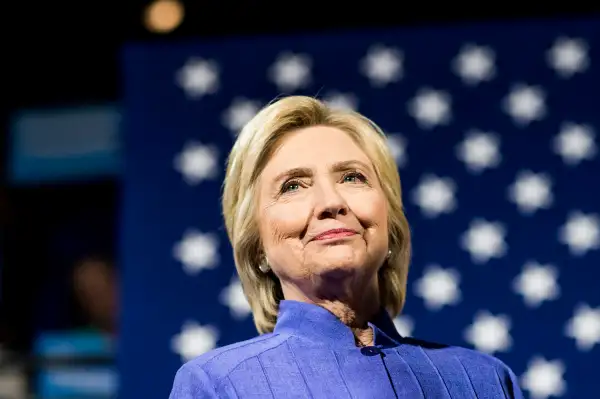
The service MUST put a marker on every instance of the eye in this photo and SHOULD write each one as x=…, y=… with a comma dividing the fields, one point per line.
x=354, y=177
x=290, y=185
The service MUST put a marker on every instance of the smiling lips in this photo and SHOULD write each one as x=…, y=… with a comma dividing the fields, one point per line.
x=334, y=233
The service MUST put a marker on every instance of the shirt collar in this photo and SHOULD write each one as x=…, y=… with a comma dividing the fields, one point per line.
x=320, y=325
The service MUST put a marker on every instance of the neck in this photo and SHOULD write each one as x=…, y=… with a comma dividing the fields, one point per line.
x=355, y=317
x=352, y=309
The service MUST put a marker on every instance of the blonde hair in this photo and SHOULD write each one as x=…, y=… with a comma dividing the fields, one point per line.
x=247, y=159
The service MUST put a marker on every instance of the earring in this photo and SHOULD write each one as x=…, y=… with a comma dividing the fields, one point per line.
x=389, y=253
x=264, y=266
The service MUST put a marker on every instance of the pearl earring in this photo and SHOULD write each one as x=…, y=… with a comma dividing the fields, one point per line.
x=389, y=253
x=264, y=266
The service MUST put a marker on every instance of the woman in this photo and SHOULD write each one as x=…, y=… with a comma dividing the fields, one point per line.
x=313, y=209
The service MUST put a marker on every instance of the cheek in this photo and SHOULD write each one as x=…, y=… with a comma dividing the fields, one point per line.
x=281, y=223
x=371, y=210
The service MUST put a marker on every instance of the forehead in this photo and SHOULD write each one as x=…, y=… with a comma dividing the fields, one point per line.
x=313, y=146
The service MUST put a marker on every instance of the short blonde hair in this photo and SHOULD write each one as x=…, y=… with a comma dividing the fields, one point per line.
x=247, y=159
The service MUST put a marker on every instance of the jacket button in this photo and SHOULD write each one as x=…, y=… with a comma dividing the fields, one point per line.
x=370, y=351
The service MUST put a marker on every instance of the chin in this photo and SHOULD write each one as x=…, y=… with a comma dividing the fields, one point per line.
x=340, y=265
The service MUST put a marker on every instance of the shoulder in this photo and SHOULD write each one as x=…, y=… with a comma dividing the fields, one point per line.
x=477, y=365
x=444, y=352
x=203, y=373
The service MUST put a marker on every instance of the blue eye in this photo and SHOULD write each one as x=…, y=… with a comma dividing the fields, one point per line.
x=290, y=186
x=355, y=177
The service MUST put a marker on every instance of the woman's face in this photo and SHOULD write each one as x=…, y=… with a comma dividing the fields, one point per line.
x=322, y=213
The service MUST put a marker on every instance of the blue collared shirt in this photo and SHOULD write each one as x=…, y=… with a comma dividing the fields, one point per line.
x=312, y=354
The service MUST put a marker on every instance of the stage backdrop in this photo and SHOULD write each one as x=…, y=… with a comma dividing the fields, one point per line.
x=495, y=130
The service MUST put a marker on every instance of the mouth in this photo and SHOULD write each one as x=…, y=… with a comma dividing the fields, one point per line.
x=335, y=234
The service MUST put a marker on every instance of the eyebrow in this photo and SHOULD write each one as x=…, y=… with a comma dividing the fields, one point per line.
x=336, y=167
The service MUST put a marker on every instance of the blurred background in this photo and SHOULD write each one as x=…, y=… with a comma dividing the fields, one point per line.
x=114, y=264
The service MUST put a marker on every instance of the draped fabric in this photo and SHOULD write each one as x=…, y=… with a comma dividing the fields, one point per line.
x=494, y=128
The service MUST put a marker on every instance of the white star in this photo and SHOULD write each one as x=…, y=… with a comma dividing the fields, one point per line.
x=484, y=240
x=474, y=64
x=430, y=108
x=194, y=340
x=584, y=327
x=479, y=151
x=525, y=104
x=568, y=56
x=404, y=325
x=531, y=192
x=489, y=333
x=544, y=378
x=197, y=162
x=344, y=101
x=397, y=144
x=382, y=65
x=435, y=195
x=290, y=71
x=197, y=251
x=438, y=287
x=537, y=283
x=239, y=113
x=199, y=77
x=581, y=233
x=233, y=297
x=575, y=143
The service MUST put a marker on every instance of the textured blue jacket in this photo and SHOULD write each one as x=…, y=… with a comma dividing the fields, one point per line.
x=312, y=354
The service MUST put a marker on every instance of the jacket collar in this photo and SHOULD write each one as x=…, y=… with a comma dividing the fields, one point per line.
x=319, y=325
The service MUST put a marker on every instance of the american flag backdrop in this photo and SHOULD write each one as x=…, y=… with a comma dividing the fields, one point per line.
x=495, y=128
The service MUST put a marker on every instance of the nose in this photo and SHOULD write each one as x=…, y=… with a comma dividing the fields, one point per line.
x=329, y=203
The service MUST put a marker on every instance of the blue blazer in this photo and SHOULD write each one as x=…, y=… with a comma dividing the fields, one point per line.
x=312, y=354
